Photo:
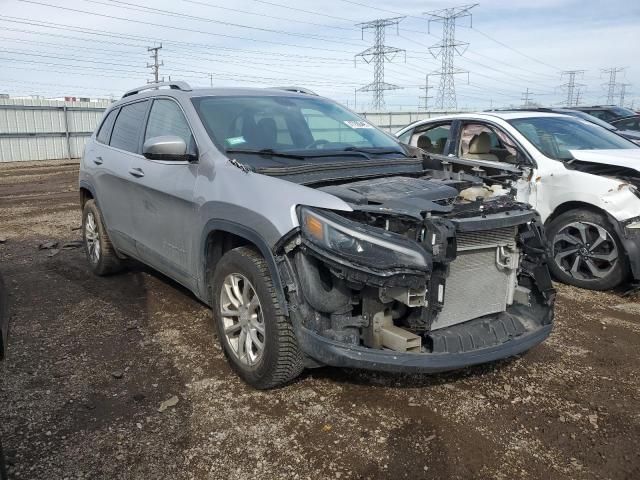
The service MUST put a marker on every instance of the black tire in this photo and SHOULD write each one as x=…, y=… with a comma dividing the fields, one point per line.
x=107, y=262
x=280, y=361
x=617, y=271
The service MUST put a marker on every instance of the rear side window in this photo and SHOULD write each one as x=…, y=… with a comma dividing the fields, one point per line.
x=105, y=130
x=126, y=131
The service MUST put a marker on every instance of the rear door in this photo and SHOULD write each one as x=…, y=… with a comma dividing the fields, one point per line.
x=114, y=154
x=162, y=197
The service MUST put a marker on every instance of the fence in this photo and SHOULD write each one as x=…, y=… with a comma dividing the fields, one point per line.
x=50, y=129
x=46, y=129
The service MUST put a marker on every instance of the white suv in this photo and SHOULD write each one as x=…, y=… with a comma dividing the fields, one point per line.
x=582, y=179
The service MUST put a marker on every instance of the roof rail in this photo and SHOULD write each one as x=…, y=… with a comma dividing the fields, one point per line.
x=296, y=90
x=184, y=86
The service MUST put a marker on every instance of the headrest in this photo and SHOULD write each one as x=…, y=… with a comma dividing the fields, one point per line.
x=480, y=143
x=424, y=143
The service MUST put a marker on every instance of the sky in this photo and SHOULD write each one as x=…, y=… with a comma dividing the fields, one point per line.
x=98, y=48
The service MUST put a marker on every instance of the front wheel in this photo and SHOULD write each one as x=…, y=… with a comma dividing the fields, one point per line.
x=586, y=251
x=257, y=339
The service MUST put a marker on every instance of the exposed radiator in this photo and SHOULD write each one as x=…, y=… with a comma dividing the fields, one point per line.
x=477, y=285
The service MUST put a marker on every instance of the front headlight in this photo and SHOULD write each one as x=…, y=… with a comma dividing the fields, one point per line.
x=369, y=246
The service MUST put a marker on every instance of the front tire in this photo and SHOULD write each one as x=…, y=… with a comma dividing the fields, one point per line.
x=585, y=251
x=98, y=248
x=257, y=339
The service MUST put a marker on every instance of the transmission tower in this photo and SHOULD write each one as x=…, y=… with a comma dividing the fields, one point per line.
x=571, y=86
x=447, y=48
x=155, y=66
x=379, y=53
x=526, y=98
x=426, y=96
x=623, y=92
x=611, y=85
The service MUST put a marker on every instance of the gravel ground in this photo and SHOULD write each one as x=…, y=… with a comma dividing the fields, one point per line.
x=92, y=359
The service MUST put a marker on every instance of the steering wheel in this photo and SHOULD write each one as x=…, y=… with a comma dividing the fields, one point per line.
x=317, y=143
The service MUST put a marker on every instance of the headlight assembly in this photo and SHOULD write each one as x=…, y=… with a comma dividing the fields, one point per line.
x=359, y=243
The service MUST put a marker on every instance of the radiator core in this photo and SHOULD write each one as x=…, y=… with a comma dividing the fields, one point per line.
x=476, y=284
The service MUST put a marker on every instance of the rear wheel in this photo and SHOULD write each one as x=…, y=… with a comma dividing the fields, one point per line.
x=586, y=251
x=257, y=339
x=100, y=253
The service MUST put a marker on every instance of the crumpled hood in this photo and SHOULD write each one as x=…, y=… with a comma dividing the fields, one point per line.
x=628, y=158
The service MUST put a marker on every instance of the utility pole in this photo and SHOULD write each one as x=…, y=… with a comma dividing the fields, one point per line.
x=426, y=96
x=623, y=91
x=211, y=80
x=571, y=86
x=155, y=66
x=578, y=93
x=526, y=98
x=611, y=85
x=379, y=53
x=447, y=48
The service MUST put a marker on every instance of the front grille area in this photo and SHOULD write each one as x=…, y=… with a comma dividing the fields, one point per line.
x=476, y=285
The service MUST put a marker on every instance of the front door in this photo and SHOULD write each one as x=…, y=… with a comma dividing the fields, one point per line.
x=162, y=198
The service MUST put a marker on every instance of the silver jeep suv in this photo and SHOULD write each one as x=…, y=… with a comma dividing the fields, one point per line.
x=316, y=238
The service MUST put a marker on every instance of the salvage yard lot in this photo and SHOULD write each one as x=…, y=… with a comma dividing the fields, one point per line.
x=91, y=360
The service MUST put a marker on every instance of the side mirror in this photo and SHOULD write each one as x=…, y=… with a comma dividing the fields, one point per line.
x=168, y=148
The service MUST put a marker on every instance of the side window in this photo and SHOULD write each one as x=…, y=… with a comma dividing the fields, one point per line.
x=484, y=142
x=166, y=118
x=432, y=140
x=406, y=136
x=126, y=131
x=602, y=115
x=105, y=129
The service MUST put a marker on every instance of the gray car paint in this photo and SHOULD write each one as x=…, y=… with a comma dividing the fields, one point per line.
x=163, y=217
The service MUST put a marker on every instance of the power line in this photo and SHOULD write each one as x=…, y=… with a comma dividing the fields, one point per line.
x=426, y=96
x=571, y=86
x=611, y=85
x=155, y=66
x=447, y=48
x=378, y=54
x=623, y=91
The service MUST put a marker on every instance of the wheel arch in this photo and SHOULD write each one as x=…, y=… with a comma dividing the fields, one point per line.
x=87, y=193
x=575, y=205
x=219, y=237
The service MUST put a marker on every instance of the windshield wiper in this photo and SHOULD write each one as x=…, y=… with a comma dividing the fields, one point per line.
x=267, y=152
x=373, y=150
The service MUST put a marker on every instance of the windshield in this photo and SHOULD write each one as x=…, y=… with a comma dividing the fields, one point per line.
x=622, y=112
x=588, y=118
x=304, y=126
x=556, y=136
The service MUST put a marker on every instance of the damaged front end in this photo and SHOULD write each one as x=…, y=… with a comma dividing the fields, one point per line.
x=427, y=273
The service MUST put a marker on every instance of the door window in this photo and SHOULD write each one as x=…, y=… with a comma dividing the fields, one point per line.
x=105, y=130
x=628, y=124
x=126, y=130
x=432, y=140
x=484, y=142
x=166, y=118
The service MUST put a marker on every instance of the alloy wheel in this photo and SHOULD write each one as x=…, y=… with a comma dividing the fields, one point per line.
x=92, y=237
x=585, y=250
x=242, y=319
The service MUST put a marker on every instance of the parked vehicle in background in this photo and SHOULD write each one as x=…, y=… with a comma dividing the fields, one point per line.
x=316, y=238
x=608, y=113
x=630, y=135
x=582, y=178
x=628, y=124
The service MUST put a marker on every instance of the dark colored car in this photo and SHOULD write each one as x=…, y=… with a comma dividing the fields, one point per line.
x=608, y=113
x=628, y=124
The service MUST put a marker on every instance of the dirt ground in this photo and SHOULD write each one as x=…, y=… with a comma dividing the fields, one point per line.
x=91, y=359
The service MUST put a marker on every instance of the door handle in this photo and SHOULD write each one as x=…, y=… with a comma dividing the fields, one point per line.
x=97, y=160
x=136, y=172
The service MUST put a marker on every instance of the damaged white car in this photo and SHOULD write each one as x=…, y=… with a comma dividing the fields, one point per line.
x=583, y=179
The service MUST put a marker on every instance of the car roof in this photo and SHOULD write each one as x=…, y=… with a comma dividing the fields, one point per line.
x=181, y=89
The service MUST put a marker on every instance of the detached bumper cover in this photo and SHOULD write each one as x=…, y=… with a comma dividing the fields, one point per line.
x=338, y=354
